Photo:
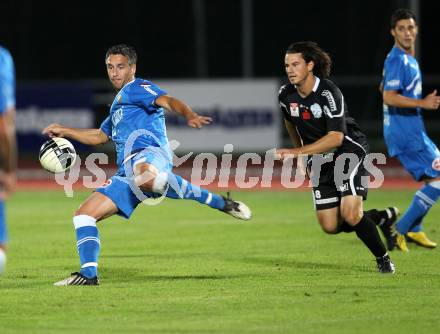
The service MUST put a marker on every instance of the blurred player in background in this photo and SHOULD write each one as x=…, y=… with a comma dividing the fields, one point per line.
x=137, y=108
x=318, y=124
x=7, y=142
x=404, y=130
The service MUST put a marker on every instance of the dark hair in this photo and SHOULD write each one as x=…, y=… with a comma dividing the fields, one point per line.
x=123, y=49
x=312, y=52
x=401, y=14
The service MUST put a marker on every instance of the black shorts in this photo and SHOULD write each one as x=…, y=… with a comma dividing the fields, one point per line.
x=351, y=180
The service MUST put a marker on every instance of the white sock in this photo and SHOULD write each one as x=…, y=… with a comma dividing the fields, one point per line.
x=2, y=260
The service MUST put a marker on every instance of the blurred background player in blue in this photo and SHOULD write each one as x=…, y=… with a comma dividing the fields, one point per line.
x=404, y=130
x=7, y=142
x=136, y=124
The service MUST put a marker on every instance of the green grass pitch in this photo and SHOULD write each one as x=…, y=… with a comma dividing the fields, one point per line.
x=180, y=267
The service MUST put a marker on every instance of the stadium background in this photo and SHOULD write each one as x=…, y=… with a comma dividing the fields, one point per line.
x=227, y=52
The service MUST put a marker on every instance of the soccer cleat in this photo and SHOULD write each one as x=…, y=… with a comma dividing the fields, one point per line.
x=387, y=227
x=236, y=209
x=384, y=265
x=400, y=242
x=77, y=279
x=421, y=239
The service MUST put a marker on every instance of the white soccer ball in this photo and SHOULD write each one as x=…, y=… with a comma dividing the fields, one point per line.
x=57, y=155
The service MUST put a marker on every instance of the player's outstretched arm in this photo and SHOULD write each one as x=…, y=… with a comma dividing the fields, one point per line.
x=429, y=102
x=84, y=136
x=193, y=119
x=331, y=141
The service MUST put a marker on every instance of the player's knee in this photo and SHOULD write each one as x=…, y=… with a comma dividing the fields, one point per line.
x=351, y=216
x=328, y=226
x=145, y=175
x=85, y=212
x=330, y=229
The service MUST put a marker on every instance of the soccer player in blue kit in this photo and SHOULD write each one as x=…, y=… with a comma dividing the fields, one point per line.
x=136, y=125
x=7, y=142
x=404, y=130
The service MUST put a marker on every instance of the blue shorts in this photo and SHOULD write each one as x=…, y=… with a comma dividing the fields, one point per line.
x=121, y=189
x=423, y=163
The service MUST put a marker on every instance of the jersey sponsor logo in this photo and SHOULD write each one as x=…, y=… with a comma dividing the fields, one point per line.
x=331, y=100
x=117, y=116
x=316, y=110
x=294, y=110
x=306, y=114
x=148, y=89
x=436, y=164
x=393, y=83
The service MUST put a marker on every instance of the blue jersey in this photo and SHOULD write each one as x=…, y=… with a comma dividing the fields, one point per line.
x=7, y=81
x=135, y=122
x=403, y=127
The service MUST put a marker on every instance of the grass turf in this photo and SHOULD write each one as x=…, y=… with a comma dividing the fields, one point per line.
x=183, y=268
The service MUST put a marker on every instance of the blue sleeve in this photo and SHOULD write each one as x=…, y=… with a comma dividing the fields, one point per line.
x=7, y=81
x=145, y=94
x=394, y=74
x=106, y=127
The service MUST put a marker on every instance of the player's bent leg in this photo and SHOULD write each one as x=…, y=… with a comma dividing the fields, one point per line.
x=410, y=223
x=430, y=192
x=149, y=179
x=365, y=228
x=96, y=207
x=386, y=220
x=329, y=220
x=351, y=209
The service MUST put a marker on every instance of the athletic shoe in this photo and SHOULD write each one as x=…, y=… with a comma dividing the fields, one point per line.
x=78, y=279
x=384, y=265
x=421, y=239
x=400, y=242
x=236, y=209
x=387, y=227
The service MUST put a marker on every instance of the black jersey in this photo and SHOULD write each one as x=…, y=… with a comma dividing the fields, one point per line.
x=323, y=110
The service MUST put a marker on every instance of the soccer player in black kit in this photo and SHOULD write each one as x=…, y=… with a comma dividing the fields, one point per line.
x=318, y=124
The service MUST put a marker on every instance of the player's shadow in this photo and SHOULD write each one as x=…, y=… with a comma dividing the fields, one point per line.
x=124, y=275
x=306, y=265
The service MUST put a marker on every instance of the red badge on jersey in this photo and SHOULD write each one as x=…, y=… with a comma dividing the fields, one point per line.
x=306, y=114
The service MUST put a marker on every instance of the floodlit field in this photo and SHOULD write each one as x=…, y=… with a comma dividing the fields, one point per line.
x=183, y=268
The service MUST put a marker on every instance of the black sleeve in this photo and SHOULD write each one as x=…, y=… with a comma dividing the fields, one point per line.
x=282, y=94
x=334, y=108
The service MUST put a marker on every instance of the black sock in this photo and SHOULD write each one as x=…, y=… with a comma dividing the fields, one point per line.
x=377, y=216
x=367, y=232
x=345, y=227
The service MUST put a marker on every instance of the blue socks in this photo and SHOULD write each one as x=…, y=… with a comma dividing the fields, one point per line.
x=179, y=188
x=3, y=230
x=88, y=244
x=423, y=200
